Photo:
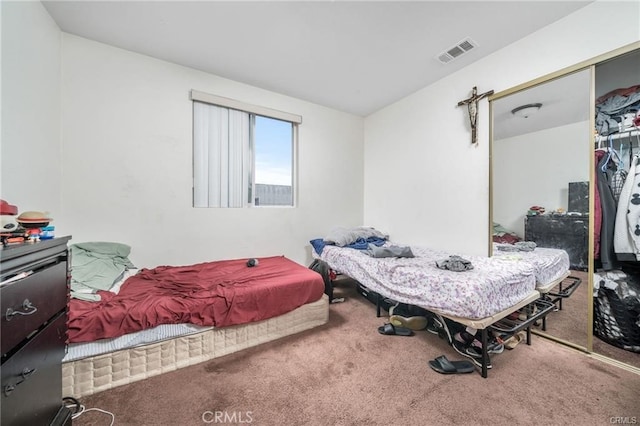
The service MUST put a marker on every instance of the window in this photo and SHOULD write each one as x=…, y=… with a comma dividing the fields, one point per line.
x=243, y=155
x=273, y=141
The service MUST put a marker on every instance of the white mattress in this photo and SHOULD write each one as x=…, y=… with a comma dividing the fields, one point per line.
x=92, y=374
x=492, y=286
x=152, y=335
x=549, y=264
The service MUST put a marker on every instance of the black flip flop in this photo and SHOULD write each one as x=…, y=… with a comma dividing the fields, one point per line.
x=391, y=330
x=444, y=366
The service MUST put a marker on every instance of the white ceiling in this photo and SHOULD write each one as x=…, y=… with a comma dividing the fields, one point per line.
x=356, y=56
x=565, y=100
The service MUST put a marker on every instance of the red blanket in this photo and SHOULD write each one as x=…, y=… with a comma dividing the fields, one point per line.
x=218, y=293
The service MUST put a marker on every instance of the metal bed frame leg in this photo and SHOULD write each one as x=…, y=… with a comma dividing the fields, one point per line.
x=544, y=318
x=529, y=314
x=560, y=301
x=485, y=353
x=544, y=323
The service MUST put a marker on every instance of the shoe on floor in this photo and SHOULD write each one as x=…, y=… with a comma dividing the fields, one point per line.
x=413, y=323
x=462, y=342
x=437, y=325
x=493, y=348
x=391, y=330
x=513, y=341
x=434, y=325
x=444, y=366
x=398, y=308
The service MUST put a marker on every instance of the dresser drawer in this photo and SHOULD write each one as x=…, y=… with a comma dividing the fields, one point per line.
x=28, y=303
x=32, y=378
x=570, y=233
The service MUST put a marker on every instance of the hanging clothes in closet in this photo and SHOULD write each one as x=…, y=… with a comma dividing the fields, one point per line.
x=617, y=204
x=605, y=168
x=620, y=175
x=627, y=226
x=617, y=194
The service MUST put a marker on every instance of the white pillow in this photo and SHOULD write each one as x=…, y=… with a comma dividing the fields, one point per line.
x=345, y=236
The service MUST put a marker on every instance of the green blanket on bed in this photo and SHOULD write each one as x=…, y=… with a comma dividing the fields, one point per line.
x=97, y=266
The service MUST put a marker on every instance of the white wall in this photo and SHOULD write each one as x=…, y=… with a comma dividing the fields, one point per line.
x=424, y=182
x=617, y=73
x=127, y=161
x=30, y=151
x=535, y=169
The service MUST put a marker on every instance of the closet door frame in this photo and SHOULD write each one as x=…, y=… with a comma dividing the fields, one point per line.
x=585, y=65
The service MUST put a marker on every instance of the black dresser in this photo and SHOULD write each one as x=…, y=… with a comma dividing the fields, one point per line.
x=34, y=293
x=570, y=233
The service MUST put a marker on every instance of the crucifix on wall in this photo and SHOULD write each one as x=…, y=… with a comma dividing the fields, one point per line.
x=472, y=108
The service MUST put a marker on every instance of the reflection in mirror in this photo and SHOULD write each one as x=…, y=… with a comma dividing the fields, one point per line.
x=540, y=173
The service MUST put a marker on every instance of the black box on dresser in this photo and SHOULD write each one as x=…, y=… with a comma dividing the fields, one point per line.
x=34, y=292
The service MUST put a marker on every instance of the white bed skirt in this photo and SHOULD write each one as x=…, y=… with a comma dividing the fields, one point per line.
x=94, y=374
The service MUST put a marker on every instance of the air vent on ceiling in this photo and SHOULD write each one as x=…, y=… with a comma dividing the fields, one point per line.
x=456, y=51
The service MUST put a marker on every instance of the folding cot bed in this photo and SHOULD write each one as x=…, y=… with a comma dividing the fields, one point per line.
x=157, y=320
x=551, y=265
x=551, y=268
x=477, y=298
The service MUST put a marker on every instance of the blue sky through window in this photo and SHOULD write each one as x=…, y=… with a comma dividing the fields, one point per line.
x=273, y=143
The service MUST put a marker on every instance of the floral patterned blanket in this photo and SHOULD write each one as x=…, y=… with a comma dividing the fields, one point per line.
x=548, y=264
x=491, y=286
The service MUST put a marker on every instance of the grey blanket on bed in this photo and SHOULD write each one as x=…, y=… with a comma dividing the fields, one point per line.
x=97, y=266
x=389, y=251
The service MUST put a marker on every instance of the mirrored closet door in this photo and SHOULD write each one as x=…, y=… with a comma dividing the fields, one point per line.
x=564, y=151
x=540, y=168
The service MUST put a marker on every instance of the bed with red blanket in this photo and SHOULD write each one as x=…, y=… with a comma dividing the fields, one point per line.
x=226, y=304
x=218, y=294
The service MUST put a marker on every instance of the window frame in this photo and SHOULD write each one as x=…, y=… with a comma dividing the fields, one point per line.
x=253, y=111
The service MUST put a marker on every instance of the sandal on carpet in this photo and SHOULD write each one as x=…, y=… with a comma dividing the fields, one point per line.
x=391, y=330
x=513, y=341
x=413, y=323
x=444, y=366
